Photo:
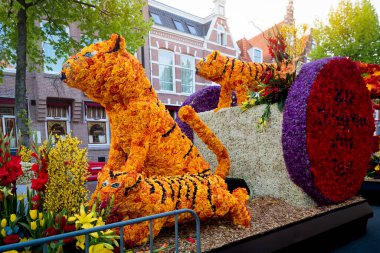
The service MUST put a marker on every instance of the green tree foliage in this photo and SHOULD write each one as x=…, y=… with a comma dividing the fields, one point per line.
x=21, y=33
x=353, y=30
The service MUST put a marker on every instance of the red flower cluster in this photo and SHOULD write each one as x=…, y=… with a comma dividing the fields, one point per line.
x=10, y=239
x=42, y=176
x=10, y=167
x=10, y=170
x=276, y=47
x=339, y=127
x=40, y=170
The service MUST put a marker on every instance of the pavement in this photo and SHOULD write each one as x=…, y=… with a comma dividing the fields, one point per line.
x=370, y=242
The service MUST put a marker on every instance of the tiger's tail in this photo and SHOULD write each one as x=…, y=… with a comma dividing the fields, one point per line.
x=188, y=115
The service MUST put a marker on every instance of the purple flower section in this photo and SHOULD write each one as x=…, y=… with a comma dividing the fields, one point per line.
x=294, y=130
x=203, y=100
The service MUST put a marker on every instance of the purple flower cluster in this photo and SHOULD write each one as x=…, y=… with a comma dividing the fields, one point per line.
x=203, y=100
x=294, y=130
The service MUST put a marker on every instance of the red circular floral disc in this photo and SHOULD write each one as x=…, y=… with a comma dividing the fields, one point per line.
x=339, y=130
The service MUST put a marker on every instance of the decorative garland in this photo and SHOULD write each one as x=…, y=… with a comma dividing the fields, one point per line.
x=327, y=125
x=203, y=100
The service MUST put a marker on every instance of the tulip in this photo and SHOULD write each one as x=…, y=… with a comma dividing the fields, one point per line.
x=33, y=214
x=33, y=225
x=42, y=222
x=13, y=217
x=40, y=216
x=3, y=223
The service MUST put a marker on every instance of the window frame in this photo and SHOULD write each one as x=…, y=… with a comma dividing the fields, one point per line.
x=155, y=18
x=65, y=119
x=4, y=130
x=105, y=120
x=192, y=29
x=221, y=35
x=191, y=69
x=172, y=71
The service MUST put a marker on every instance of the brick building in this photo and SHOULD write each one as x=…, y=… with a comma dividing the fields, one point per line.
x=255, y=49
x=174, y=45
x=176, y=42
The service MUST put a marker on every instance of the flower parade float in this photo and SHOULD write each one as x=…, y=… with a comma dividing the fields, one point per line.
x=371, y=186
x=164, y=170
x=312, y=156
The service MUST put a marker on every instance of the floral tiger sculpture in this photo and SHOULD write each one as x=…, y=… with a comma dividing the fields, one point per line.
x=141, y=127
x=138, y=196
x=232, y=75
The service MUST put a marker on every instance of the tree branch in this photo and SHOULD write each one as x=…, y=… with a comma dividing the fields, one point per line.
x=10, y=9
x=86, y=4
x=32, y=3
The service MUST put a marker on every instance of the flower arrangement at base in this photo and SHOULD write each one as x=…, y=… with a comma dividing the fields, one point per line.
x=68, y=172
x=138, y=196
x=327, y=125
x=232, y=75
x=373, y=170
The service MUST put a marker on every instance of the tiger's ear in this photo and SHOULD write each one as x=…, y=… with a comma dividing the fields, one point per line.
x=118, y=42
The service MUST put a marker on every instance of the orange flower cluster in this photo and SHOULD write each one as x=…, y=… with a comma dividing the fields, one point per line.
x=232, y=75
x=137, y=196
x=188, y=114
x=141, y=127
x=144, y=130
x=371, y=77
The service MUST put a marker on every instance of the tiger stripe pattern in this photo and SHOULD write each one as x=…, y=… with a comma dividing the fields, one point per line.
x=205, y=193
x=232, y=75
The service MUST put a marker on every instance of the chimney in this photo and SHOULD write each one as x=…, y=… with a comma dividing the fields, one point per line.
x=289, y=17
x=219, y=7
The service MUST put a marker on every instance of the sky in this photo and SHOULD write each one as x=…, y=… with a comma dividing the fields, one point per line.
x=242, y=14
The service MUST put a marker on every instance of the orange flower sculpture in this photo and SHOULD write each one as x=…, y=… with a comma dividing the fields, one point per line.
x=137, y=196
x=141, y=127
x=371, y=77
x=232, y=75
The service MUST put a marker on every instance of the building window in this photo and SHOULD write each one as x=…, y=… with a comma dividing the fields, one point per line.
x=192, y=30
x=97, y=124
x=187, y=73
x=156, y=18
x=256, y=54
x=58, y=119
x=166, y=70
x=377, y=122
x=8, y=126
x=179, y=26
x=222, y=36
x=49, y=53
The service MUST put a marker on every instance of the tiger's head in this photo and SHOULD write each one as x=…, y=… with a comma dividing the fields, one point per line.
x=106, y=72
x=118, y=184
x=212, y=67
